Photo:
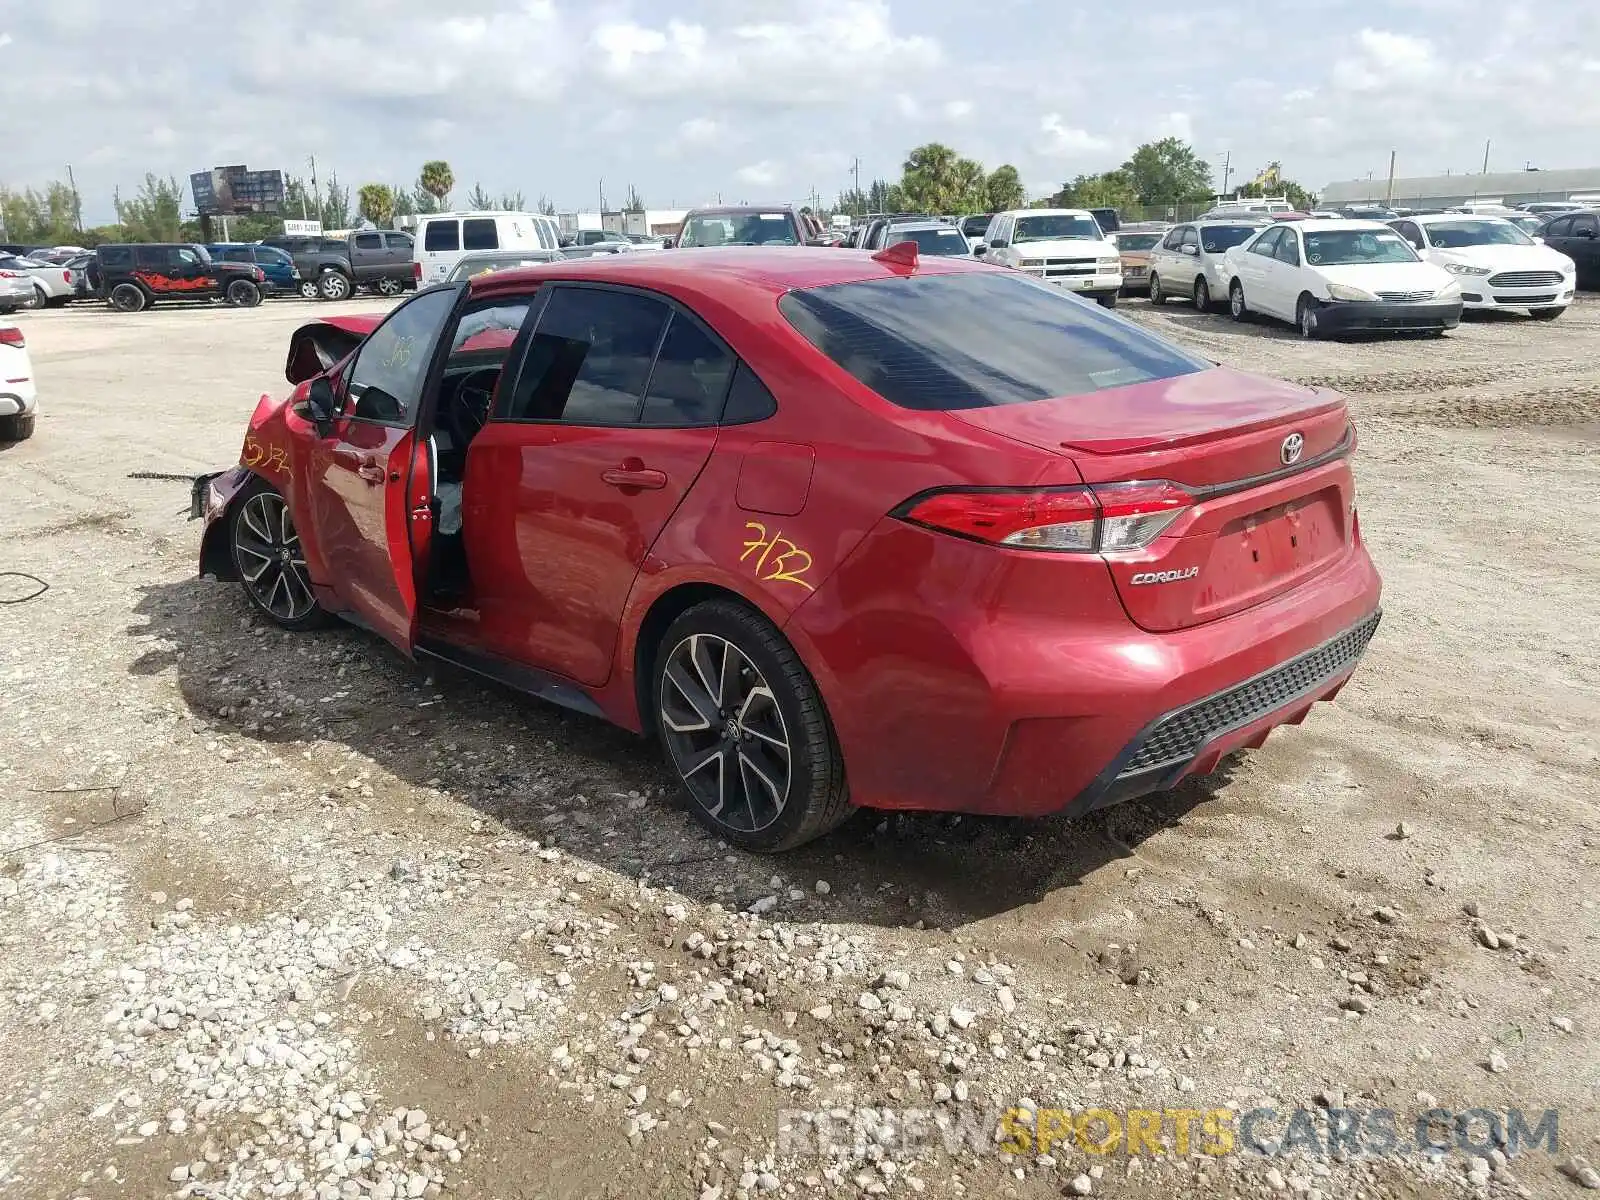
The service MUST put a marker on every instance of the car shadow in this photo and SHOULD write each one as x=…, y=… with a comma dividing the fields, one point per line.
x=598, y=792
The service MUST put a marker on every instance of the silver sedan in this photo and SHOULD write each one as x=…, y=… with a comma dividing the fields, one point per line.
x=52, y=282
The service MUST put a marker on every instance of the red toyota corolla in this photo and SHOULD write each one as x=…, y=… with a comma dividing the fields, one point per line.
x=842, y=530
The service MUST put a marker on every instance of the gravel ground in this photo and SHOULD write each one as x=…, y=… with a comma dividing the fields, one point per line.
x=289, y=916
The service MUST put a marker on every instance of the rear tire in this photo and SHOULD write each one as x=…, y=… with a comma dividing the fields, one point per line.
x=1546, y=314
x=390, y=287
x=744, y=726
x=1157, y=296
x=1109, y=301
x=128, y=298
x=243, y=294
x=17, y=427
x=1237, y=309
x=1202, y=295
x=38, y=300
x=334, y=285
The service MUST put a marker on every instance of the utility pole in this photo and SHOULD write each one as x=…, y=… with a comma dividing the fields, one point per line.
x=1388, y=198
x=77, y=201
x=602, y=195
x=312, y=159
x=1486, y=157
x=1227, y=170
x=855, y=192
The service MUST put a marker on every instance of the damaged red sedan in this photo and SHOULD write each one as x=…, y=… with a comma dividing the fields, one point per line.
x=841, y=530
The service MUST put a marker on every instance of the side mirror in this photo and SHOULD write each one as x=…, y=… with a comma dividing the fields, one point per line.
x=1191, y=251
x=320, y=404
x=668, y=243
x=981, y=249
x=1538, y=240
x=999, y=244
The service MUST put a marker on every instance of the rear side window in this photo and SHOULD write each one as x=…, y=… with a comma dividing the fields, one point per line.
x=589, y=359
x=748, y=399
x=152, y=258
x=116, y=256
x=398, y=241
x=1560, y=227
x=945, y=342
x=368, y=241
x=239, y=254
x=442, y=235
x=690, y=377
x=478, y=233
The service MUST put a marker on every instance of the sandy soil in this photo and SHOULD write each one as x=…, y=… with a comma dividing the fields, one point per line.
x=259, y=893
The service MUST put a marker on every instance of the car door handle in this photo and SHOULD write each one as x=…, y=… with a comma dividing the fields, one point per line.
x=634, y=474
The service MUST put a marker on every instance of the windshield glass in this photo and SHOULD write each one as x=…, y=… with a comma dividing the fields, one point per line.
x=1348, y=247
x=1039, y=229
x=1137, y=241
x=738, y=229
x=467, y=268
x=1448, y=235
x=976, y=340
x=1217, y=238
x=932, y=241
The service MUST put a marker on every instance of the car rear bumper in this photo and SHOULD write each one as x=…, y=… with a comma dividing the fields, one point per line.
x=17, y=399
x=1374, y=316
x=1054, y=701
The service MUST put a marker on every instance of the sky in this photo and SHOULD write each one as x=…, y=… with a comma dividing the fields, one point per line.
x=766, y=100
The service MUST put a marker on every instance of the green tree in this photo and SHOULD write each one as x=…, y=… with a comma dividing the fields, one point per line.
x=969, y=189
x=377, y=203
x=931, y=177
x=635, y=202
x=1168, y=172
x=547, y=206
x=438, y=181
x=155, y=214
x=405, y=205
x=511, y=202
x=335, y=204
x=1003, y=189
x=884, y=196
x=853, y=201
x=51, y=216
x=479, y=199
x=1113, y=189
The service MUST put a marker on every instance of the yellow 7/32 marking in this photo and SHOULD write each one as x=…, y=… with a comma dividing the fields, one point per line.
x=788, y=565
x=400, y=354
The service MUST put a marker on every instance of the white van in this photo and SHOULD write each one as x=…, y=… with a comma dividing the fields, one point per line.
x=442, y=238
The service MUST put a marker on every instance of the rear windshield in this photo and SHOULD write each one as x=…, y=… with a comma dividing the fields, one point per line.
x=1137, y=241
x=1043, y=229
x=932, y=241
x=1217, y=238
x=976, y=227
x=977, y=340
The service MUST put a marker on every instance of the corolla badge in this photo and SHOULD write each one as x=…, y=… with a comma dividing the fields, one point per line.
x=1164, y=576
x=1293, y=447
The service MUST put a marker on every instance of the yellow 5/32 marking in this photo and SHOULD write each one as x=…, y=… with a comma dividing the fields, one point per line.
x=778, y=559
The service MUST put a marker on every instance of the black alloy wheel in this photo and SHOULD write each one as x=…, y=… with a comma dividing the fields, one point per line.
x=271, y=562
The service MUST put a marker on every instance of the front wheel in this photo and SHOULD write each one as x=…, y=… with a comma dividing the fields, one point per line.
x=1236, y=304
x=243, y=294
x=308, y=289
x=334, y=285
x=1546, y=314
x=1202, y=295
x=1157, y=296
x=128, y=298
x=744, y=726
x=271, y=562
x=1305, y=316
x=37, y=300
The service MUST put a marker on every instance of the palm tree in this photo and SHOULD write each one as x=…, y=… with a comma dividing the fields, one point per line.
x=437, y=180
x=377, y=203
x=929, y=175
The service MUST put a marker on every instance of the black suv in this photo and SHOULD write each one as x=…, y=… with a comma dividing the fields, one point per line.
x=134, y=276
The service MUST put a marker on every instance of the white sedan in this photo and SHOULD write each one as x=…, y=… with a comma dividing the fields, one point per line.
x=18, y=397
x=1341, y=276
x=52, y=283
x=1497, y=263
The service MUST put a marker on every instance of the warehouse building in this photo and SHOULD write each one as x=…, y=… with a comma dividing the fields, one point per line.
x=1442, y=191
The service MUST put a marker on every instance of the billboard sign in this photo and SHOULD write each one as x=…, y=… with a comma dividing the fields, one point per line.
x=302, y=228
x=223, y=191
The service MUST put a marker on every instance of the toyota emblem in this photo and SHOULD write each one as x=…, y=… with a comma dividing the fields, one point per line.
x=1293, y=447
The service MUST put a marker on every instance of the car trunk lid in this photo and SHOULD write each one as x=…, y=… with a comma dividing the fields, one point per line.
x=1265, y=462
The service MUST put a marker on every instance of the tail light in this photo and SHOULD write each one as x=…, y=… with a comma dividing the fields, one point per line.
x=258, y=274
x=1102, y=519
x=66, y=277
x=416, y=271
x=10, y=335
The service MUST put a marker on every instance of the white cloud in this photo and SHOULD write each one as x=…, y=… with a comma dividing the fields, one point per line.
x=907, y=106
x=1172, y=124
x=958, y=110
x=762, y=174
x=1063, y=140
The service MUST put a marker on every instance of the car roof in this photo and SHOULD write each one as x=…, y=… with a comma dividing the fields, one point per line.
x=1431, y=218
x=727, y=274
x=717, y=209
x=1243, y=218
x=1339, y=225
x=903, y=226
x=1050, y=212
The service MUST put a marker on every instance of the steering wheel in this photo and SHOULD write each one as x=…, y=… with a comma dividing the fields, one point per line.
x=474, y=397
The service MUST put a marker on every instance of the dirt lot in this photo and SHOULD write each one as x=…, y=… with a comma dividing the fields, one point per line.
x=288, y=916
